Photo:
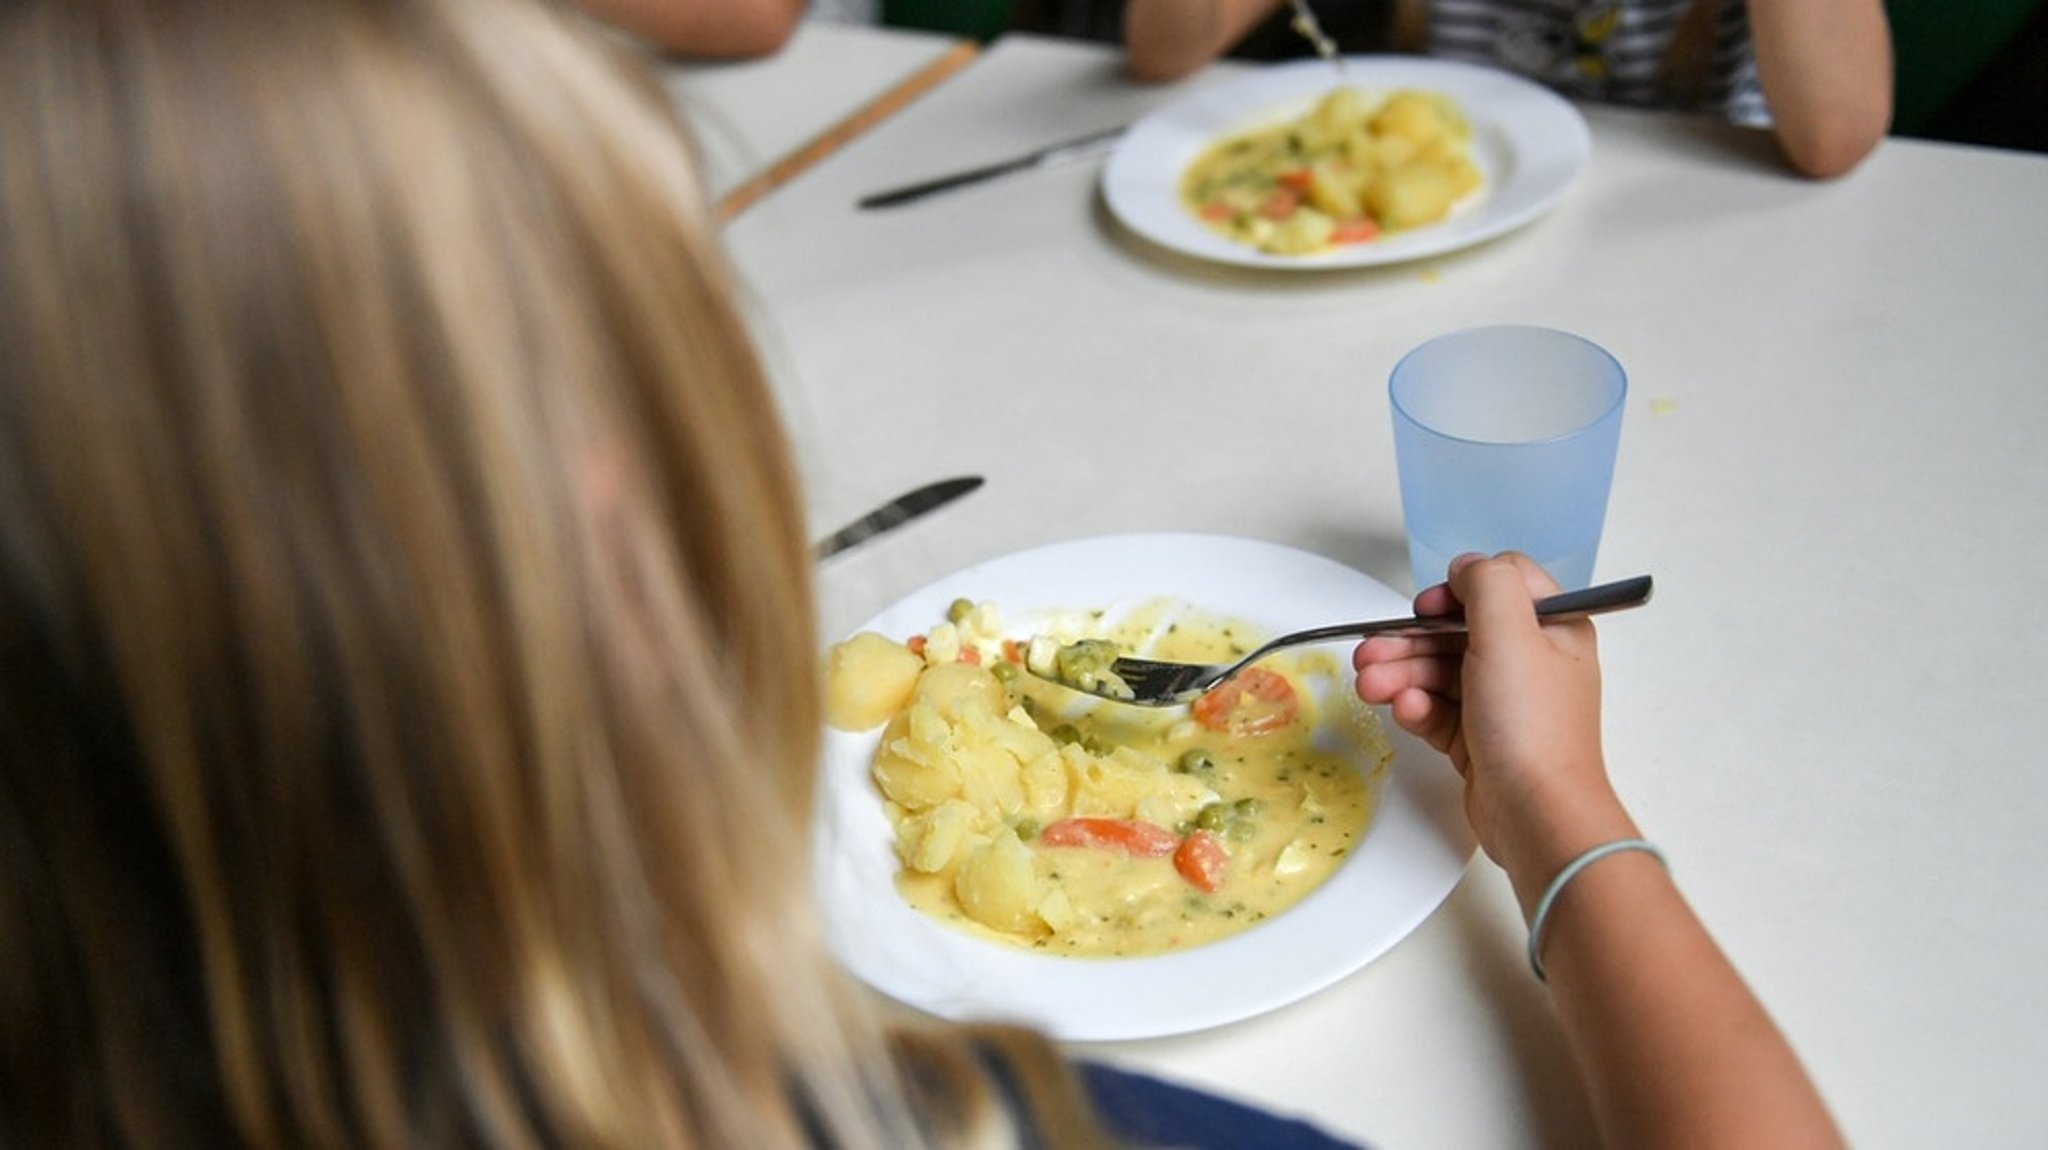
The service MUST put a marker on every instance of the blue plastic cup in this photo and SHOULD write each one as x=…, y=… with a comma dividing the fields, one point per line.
x=1505, y=440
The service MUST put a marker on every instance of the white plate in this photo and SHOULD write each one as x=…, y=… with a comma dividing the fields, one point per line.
x=1528, y=142
x=1413, y=852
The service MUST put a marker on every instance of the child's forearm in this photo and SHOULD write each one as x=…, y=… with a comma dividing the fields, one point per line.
x=1168, y=39
x=1826, y=70
x=733, y=29
x=1676, y=1049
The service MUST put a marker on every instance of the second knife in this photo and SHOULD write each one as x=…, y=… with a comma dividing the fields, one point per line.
x=895, y=513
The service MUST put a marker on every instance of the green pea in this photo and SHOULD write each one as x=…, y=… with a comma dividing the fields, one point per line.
x=1004, y=671
x=1195, y=760
x=958, y=610
x=1212, y=817
x=1247, y=807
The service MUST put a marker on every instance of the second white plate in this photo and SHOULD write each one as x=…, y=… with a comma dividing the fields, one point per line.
x=1529, y=143
x=1413, y=853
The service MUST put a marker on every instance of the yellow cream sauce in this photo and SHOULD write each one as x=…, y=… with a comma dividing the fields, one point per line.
x=1312, y=802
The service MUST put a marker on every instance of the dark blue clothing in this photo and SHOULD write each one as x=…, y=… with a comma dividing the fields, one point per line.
x=1145, y=1111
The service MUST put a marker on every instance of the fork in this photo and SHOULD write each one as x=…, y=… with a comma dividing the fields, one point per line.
x=1153, y=683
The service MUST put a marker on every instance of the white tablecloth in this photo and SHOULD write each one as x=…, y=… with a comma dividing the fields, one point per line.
x=1833, y=461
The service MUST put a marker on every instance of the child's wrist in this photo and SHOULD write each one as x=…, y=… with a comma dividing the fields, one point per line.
x=1543, y=837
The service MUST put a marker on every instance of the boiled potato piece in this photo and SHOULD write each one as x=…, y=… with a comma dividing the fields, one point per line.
x=1307, y=230
x=911, y=766
x=1014, y=732
x=955, y=688
x=1046, y=785
x=1112, y=785
x=998, y=886
x=1340, y=113
x=1418, y=116
x=1415, y=193
x=933, y=840
x=989, y=775
x=952, y=743
x=993, y=750
x=1390, y=152
x=868, y=678
x=1056, y=910
x=1333, y=192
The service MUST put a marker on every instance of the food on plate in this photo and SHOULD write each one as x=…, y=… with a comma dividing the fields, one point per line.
x=867, y=679
x=1348, y=171
x=1085, y=665
x=1051, y=820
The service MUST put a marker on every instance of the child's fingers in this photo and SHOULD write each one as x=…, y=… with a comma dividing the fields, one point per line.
x=1499, y=593
x=1429, y=717
x=1381, y=682
x=1539, y=581
x=1393, y=648
x=1437, y=600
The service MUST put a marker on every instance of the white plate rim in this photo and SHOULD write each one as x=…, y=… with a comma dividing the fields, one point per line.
x=1530, y=143
x=1413, y=853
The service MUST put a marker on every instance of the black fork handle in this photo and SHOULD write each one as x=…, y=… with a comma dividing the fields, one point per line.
x=1595, y=600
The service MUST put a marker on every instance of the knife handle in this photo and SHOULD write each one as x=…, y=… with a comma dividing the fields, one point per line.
x=1046, y=155
x=919, y=191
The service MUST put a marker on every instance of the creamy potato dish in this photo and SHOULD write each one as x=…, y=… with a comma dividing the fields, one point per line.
x=1348, y=171
x=1030, y=813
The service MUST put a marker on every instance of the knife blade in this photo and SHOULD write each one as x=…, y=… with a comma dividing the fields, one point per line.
x=1092, y=144
x=895, y=513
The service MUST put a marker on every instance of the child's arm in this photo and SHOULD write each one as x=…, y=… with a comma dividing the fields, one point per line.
x=727, y=29
x=1675, y=1048
x=1826, y=70
x=1168, y=39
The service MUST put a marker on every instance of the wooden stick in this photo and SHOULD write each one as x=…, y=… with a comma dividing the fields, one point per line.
x=831, y=139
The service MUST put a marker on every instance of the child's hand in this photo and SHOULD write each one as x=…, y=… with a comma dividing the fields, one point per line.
x=1514, y=704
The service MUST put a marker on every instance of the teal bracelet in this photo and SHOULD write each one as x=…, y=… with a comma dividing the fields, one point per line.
x=1571, y=871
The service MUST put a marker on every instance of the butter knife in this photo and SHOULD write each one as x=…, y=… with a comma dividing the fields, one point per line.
x=1095, y=143
x=895, y=513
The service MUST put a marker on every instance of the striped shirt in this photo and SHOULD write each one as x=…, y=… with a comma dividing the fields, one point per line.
x=1613, y=52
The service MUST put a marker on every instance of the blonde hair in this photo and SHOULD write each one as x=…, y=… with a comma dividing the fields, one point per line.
x=406, y=686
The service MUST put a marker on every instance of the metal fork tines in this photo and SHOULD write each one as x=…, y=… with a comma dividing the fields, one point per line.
x=1156, y=683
